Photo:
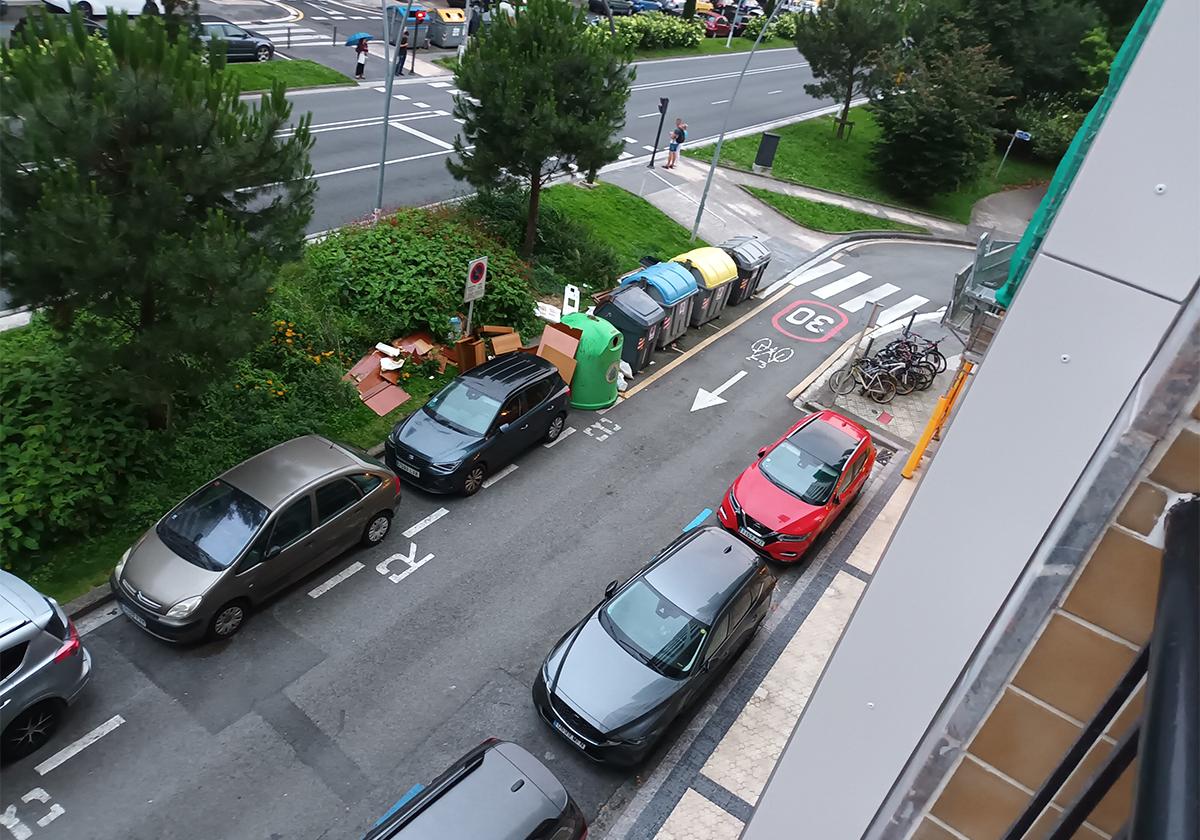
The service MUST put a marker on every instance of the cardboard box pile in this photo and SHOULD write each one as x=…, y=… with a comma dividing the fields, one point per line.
x=377, y=375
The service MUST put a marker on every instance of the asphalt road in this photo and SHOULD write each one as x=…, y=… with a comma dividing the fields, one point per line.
x=324, y=710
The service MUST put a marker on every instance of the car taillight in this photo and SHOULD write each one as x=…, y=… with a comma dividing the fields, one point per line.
x=396, y=484
x=71, y=646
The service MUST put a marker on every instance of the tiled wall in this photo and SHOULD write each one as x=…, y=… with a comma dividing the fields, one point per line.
x=1083, y=650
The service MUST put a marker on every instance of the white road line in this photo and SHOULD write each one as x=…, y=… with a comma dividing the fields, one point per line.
x=796, y=277
x=425, y=523
x=454, y=91
x=364, y=166
x=720, y=102
x=420, y=105
x=717, y=76
x=380, y=90
x=624, y=155
x=566, y=433
x=645, y=116
x=648, y=148
x=96, y=619
x=773, y=92
x=427, y=137
x=506, y=471
x=894, y=313
x=318, y=591
x=876, y=294
x=629, y=139
x=319, y=17
x=400, y=97
x=460, y=121
x=841, y=285
x=439, y=84
x=75, y=748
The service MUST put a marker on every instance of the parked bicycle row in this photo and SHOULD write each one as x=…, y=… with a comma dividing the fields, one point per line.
x=909, y=363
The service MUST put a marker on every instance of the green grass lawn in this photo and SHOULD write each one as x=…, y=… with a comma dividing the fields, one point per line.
x=449, y=62
x=632, y=226
x=828, y=218
x=810, y=154
x=712, y=46
x=255, y=76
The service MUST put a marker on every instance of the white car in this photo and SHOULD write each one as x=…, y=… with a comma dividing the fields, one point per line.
x=99, y=8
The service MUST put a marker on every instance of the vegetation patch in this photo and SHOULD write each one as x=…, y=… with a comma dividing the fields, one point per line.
x=829, y=218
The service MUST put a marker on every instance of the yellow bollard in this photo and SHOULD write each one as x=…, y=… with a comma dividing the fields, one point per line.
x=914, y=458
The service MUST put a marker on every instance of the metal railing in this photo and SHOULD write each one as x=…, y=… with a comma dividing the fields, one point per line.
x=1166, y=739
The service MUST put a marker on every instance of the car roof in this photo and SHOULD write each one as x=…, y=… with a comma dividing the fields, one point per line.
x=702, y=571
x=504, y=374
x=19, y=603
x=845, y=424
x=273, y=475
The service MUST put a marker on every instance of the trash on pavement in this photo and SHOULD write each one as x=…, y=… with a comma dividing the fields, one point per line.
x=557, y=346
x=504, y=339
x=376, y=375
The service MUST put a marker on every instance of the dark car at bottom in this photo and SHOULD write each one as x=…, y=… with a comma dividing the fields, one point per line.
x=478, y=423
x=614, y=684
x=497, y=791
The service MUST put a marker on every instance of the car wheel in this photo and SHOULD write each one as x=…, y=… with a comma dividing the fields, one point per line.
x=556, y=428
x=473, y=480
x=262, y=54
x=85, y=9
x=228, y=620
x=377, y=528
x=31, y=729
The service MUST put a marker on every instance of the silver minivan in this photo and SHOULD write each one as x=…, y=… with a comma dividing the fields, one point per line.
x=43, y=667
x=253, y=530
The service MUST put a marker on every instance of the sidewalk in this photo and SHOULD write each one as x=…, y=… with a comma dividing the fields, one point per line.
x=706, y=786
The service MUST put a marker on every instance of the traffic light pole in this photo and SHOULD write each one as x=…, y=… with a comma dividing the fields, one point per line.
x=663, y=102
x=387, y=99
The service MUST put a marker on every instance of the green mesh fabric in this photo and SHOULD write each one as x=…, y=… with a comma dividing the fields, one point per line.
x=1064, y=175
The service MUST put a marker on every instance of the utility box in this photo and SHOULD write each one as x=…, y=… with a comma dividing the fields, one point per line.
x=448, y=27
x=598, y=359
x=767, y=146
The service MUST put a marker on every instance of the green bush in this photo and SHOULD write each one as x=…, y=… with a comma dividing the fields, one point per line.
x=406, y=273
x=652, y=32
x=1053, y=122
x=783, y=27
x=68, y=448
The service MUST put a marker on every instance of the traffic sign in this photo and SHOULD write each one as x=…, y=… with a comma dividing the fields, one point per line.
x=476, y=280
x=1022, y=135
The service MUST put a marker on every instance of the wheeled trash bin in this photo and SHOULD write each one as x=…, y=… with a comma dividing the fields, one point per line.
x=637, y=316
x=751, y=257
x=597, y=361
x=448, y=27
x=714, y=271
x=672, y=287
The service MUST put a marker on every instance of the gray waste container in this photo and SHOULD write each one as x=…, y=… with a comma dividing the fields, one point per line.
x=448, y=27
x=751, y=257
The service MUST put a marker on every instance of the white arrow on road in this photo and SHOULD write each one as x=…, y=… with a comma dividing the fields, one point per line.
x=707, y=399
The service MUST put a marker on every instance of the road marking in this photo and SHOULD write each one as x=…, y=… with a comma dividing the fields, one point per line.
x=428, y=137
x=319, y=17
x=397, y=96
x=95, y=620
x=439, y=84
x=876, y=294
x=894, y=313
x=380, y=90
x=454, y=91
x=364, y=166
x=566, y=433
x=648, y=148
x=644, y=116
x=425, y=523
x=695, y=523
x=773, y=92
x=460, y=121
x=798, y=277
x=839, y=286
x=624, y=155
x=719, y=102
x=420, y=105
x=75, y=748
x=629, y=140
x=353, y=568
x=718, y=76
x=707, y=399
x=506, y=471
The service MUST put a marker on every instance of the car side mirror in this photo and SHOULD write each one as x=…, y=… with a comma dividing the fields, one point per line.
x=611, y=589
x=762, y=452
x=837, y=500
x=273, y=551
x=503, y=428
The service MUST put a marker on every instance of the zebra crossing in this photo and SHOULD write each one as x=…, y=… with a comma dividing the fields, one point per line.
x=830, y=279
x=301, y=36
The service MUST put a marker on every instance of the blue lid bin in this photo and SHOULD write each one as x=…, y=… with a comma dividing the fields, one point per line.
x=672, y=287
x=637, y=316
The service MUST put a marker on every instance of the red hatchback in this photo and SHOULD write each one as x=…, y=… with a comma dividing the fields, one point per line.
x=799, y=485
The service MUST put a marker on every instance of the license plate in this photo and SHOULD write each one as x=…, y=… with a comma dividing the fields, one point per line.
x=570, y=736
x=753, y=538
x=413, y=471
x=134, y=617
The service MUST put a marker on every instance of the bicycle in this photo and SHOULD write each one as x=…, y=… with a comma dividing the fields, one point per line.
x=910, y=371
x=872, y=379
x=765, y=352
x=923, y=347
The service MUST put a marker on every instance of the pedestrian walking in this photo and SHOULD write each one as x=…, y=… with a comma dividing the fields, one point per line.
x=401, y=53
x=678, y=135
x=360, y=53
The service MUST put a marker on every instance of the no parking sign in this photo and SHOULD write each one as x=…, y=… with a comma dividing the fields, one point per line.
x=476, y=280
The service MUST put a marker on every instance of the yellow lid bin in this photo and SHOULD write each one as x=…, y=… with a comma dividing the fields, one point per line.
x=451, y=15
x=714, y=272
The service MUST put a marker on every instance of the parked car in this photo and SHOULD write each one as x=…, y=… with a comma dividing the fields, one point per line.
x=253, y=530
x=617, y=680
x=240, y=44
x=35, y=23
x=99, y=8
x=799, y=485
x=731, y=11
x=497, y=791
x=43, y=667
x=716, y=25
x=478, y=423
x=618, y=7
x=647, y=5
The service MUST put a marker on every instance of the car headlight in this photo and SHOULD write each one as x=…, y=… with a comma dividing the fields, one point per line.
x=792, y=537
x=117, y=572
x=184, y=608
x=733, y=502
x=448, y=467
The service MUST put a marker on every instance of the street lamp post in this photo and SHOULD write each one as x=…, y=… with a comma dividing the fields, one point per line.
x=725, y=126
x=390, y=71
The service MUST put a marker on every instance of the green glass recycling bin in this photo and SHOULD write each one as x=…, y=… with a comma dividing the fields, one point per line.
x=597, y=361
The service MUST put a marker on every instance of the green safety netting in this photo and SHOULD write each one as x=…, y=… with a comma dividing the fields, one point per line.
x=1068, y=167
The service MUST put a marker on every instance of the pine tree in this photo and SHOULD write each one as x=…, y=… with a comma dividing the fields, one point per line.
x=142, y=204
x=549, y=95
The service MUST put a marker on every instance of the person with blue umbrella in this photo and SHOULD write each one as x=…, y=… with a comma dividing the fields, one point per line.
x=359, y=41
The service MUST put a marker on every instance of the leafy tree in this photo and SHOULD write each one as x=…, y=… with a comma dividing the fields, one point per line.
x=1093, y=60
x=142, y=204
x=936, y=126
x=842, y=46
x=549, y=95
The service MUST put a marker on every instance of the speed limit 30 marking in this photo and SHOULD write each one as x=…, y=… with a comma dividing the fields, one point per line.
x=810, y=320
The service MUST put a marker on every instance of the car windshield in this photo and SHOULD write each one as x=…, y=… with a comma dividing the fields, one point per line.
x=213, y=525
x=808, y=463
x=462, y=407
x=654, y=630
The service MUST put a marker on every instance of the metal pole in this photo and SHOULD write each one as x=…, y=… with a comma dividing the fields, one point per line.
x=725, y=126
x=470, y=313
x=663, y=102
x=733, y=25
x=1011, y=140
x=335, y=36
x=390, y=73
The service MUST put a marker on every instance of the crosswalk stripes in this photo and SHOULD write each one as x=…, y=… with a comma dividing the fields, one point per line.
x=901, y=309
x=840, y=282
x=873, y=296
x=839, y=286
x=300, y=36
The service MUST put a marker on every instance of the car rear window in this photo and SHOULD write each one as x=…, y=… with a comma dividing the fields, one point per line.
x=213, y=525
x=11, y=658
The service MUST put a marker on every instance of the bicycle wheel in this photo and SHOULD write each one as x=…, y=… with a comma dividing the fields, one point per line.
x=782, y=354
x=881, y=388
x=760, y=345
x=923, y=374
x=906, y=383
x=936, y=360
x=842, y=382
